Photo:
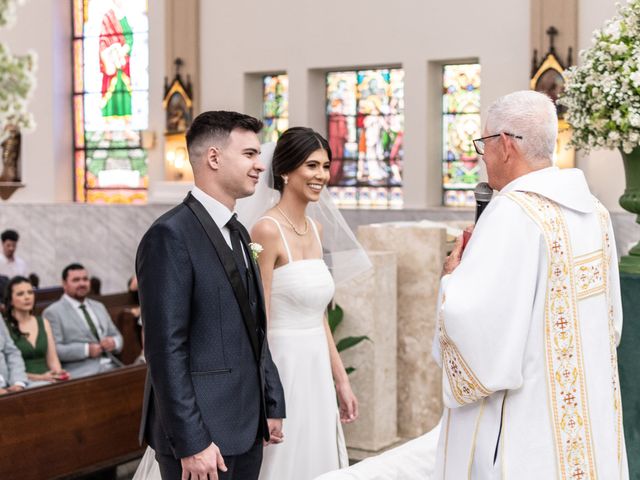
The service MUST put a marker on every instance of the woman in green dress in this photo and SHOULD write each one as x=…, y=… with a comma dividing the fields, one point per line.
x=31, y=334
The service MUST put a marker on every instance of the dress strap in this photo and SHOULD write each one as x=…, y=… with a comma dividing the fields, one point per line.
x=315, y=230
x=284, y=240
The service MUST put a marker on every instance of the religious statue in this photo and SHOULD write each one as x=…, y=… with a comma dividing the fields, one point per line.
x=178, y=102
x=11, y=156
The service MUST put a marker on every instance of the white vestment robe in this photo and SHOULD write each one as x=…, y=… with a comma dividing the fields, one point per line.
x=527, y=334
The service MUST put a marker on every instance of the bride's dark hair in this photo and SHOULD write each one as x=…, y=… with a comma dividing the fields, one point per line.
x=293, y=148
x=11, y=320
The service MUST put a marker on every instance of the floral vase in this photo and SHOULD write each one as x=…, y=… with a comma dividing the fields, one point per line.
x=630, y=201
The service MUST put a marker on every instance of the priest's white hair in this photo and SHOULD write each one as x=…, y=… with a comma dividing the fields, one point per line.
x=531, y=115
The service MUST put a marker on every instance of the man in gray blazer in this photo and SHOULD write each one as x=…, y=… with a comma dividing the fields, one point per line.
x=12, y=372
x=86, y=338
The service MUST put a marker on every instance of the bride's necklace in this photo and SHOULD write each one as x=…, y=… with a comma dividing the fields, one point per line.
x=295, y=230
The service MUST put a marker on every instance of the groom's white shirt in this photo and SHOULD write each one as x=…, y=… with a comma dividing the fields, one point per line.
x=218, y=212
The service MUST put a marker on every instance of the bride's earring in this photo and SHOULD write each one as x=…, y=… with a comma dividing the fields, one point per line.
x=285, y=179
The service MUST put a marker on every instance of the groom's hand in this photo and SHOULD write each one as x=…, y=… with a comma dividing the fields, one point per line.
x=207, y=462
x=275, y=430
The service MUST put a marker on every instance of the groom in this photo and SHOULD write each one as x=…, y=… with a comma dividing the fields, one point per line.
x=213, y=393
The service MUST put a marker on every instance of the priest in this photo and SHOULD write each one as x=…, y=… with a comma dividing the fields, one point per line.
x=530, y=316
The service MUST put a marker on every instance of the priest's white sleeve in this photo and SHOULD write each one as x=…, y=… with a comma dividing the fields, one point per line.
x=486, y=305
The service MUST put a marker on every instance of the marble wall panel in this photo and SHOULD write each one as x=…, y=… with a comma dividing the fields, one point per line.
x=420, y=252
x=370, y=309
x=40, y=246
x=82, y=236
x=51, y=234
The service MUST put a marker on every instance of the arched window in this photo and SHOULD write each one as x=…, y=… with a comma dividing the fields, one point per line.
x=110, y=100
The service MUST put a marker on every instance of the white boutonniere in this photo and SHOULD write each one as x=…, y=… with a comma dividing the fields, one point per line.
x=256, y=250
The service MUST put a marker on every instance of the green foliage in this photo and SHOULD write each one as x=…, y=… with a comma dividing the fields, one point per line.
x=335, y=315
x=349, y=342
x=17, y=79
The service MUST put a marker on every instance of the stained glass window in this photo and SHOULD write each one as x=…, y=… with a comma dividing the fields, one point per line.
x=110, y=100
x=365, y=124
x=460, y=125
x=275, y=106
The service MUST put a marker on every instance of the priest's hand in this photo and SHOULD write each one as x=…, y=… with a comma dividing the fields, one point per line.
x=453, y=259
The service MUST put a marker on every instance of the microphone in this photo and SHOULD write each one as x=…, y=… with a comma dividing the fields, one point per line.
x=483, y=194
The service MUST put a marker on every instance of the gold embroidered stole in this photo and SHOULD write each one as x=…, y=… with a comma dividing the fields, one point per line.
x=465, y=386
x=565, y=366
x=617, y=402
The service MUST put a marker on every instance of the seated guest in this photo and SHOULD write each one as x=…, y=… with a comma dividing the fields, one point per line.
x=32, y=335
x=13, y=377
x=10, y=263
x=86, y=338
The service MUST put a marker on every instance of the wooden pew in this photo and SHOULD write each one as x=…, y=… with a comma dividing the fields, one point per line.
x=45, y=297
x=72, y=428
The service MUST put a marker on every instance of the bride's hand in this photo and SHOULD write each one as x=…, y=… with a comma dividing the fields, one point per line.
x=348, y=403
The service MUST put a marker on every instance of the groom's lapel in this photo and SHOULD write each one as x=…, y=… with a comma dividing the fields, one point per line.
x=226, y=258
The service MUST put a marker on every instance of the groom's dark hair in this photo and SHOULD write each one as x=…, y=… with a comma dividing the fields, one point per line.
x=215, y=126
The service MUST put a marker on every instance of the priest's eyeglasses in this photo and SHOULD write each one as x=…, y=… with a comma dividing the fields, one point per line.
x=478, y=143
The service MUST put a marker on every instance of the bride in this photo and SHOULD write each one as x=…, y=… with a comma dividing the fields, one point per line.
x=298, y=287
x=307, y=248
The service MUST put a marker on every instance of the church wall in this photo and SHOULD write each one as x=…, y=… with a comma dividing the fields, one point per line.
x=238, y=46
x=419, y=36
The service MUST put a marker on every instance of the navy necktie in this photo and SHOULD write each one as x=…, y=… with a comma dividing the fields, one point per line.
x=234, y=227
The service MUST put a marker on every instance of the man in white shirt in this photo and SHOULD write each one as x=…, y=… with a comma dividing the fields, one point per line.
x=530, y=316
x=86, y=337
x=11, y=264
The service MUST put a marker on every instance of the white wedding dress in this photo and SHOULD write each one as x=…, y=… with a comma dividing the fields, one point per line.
x=313, y=439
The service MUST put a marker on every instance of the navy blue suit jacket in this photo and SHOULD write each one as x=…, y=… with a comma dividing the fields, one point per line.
x=210, y=374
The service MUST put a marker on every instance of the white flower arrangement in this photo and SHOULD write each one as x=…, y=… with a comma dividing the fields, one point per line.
x=17, y=79
x=8, y=12
x=256, y=250
x=602, y=95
